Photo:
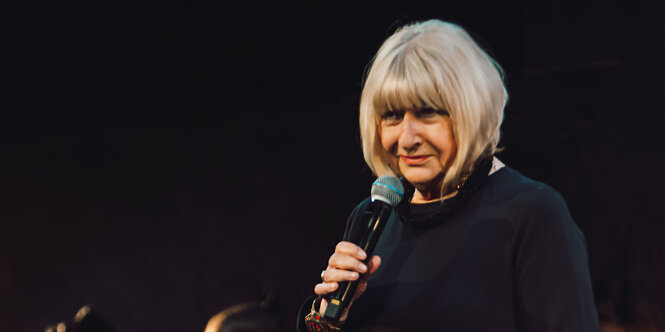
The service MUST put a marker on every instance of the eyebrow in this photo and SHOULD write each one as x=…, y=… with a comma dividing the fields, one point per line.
x=401, y=110
x=435, y=110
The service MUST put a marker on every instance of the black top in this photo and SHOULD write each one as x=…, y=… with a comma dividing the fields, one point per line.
x=510, y=259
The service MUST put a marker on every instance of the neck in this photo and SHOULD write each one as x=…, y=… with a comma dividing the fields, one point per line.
x=420, y=197
x=426, y=195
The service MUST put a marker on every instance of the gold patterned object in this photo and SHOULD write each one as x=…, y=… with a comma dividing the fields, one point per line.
x=215, y=323
x=315, y=322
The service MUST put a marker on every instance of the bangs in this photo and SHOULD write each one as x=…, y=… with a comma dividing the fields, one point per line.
x=410, y=83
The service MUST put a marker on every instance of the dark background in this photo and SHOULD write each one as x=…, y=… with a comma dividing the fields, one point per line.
x=164, y=160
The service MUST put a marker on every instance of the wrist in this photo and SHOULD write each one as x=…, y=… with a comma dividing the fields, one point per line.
x=315, y=322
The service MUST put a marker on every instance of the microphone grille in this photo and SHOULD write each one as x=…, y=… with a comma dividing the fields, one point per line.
x=387, y=189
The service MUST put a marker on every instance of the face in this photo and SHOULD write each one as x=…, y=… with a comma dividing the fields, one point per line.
x=421, y=142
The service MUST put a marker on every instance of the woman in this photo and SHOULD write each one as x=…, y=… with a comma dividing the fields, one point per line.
x=474, y=246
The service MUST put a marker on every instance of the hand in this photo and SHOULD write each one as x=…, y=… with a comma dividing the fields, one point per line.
x=346, y=264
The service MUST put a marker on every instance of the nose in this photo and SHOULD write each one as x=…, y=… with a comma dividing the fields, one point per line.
x=410, y=137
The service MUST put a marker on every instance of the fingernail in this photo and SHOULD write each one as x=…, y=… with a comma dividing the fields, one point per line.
x=361, y=254
x=353, y=275
x=362, y=267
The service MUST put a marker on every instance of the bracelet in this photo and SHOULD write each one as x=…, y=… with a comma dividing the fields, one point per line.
x=316, y=323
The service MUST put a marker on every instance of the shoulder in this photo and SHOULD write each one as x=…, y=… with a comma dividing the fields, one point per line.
x=356, y=214
x=531, y=206
x=359, y=210
x=548, y=256
x=522, y=195
x=362, y=206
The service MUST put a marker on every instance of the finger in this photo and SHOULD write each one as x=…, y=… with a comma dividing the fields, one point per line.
x=360, y=289
x=350, y=249
x=373, y=264
x=346, y=262
x=325, y=288
x=336, y=275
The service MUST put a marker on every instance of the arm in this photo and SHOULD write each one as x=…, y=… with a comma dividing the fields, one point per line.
x=553, y=286
x=347, y=263
x=344, y=265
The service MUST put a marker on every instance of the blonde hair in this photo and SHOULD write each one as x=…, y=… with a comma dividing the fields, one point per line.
x=435, y=64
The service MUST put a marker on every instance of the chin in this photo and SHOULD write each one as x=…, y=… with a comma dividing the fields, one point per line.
x=418, y=179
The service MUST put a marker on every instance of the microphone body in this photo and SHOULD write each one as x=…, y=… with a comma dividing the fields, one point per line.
x=387, y=192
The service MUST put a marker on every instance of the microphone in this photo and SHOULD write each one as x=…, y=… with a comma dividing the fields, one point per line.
x=387, y=192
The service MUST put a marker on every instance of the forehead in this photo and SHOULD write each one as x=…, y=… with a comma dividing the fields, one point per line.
x=408, y=85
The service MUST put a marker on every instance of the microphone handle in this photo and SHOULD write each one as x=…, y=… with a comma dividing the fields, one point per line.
x=340, y=299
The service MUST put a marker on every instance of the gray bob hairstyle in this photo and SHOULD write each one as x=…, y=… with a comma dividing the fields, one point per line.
x=435, y=64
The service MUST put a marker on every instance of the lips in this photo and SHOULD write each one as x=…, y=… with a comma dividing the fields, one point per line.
x=414, y=160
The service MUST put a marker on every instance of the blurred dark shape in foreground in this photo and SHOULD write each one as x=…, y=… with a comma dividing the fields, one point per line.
x=85, y=320
x=245, y=317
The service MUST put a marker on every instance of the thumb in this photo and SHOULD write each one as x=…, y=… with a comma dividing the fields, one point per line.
x=373, y=264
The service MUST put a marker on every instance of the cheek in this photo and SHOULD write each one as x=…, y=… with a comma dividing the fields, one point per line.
x=388, y=140
x=448, y=145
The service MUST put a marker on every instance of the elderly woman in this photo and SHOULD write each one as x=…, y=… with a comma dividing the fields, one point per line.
x=475, y=245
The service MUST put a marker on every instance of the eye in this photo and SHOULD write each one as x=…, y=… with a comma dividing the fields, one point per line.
x=430, y=112
x=392, y=116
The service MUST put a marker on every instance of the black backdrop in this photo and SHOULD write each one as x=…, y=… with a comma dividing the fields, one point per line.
x=164, y=160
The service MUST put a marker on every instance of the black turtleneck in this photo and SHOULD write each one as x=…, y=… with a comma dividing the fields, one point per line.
x=505, y=257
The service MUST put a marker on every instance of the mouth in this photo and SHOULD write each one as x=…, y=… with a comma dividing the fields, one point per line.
x=414, y=160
